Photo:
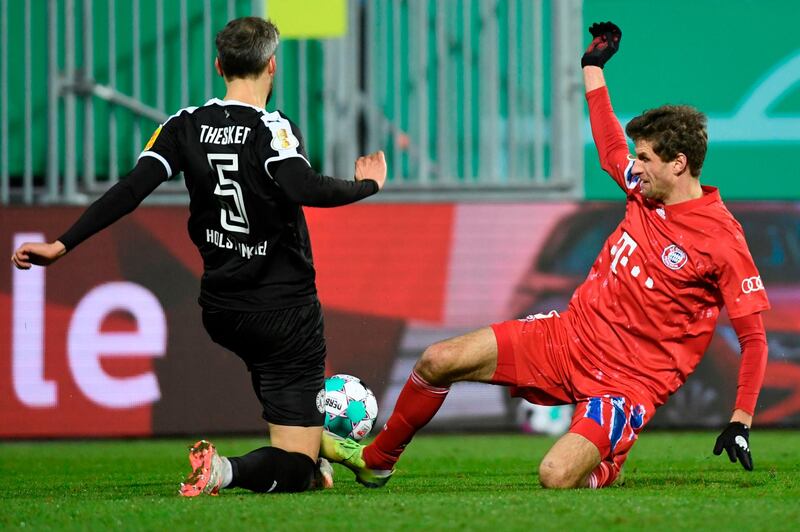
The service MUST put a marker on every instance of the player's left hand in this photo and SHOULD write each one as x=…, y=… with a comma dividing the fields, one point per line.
x=605, y=43
x=736, y=440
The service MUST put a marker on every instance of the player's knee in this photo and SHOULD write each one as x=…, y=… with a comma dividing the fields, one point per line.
x=555, y=475
x=436, y=363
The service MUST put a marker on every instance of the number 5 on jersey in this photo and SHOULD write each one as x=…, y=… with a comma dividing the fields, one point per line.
x=232, y=216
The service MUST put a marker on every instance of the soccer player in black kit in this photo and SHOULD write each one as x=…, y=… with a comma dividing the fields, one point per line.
x=248, y=177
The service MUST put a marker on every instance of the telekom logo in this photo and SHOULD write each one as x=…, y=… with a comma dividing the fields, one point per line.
x=623, y=249
x=86, y=343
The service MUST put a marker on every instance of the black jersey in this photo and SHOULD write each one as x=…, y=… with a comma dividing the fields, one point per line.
x=247, y=174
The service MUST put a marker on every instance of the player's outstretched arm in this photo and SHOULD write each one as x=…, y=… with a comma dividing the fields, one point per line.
x=606, y=37
x=304, y=185
x=118, y=201
x=607, y=133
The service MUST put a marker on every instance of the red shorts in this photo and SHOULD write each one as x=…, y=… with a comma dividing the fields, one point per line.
x=612, y=423
x=534, y=358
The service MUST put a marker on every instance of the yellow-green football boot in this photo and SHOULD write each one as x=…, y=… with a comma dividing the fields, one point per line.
x=349, y=453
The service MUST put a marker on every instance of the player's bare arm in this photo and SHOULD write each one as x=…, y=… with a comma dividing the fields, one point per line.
x=372, y=166
x=38, y=253
x=593, y=78
x=742, y=416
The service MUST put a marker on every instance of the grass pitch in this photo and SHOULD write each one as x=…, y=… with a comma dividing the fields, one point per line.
x=444, y=482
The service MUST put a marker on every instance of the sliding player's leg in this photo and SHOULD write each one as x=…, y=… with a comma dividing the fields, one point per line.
x=594, y=450
x=472, y=357
x=510, y=353
x=569, y=462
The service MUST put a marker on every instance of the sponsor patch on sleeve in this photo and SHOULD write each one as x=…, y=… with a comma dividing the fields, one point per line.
x=153, y=138
x=283, y=138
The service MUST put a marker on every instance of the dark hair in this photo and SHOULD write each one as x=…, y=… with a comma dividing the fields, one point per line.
x=673, y=129
x=245, y=45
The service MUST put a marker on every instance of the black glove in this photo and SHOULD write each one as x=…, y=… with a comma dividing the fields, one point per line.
x=605, y=44
x=736, y=440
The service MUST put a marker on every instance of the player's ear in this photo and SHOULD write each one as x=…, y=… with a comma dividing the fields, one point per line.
x=680, y=164
x=272, y=65
x=218, y=67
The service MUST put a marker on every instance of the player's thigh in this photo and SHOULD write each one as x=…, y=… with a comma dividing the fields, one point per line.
x=284, y=351
x=470, y=357
x=569, y=462
x=296, y=439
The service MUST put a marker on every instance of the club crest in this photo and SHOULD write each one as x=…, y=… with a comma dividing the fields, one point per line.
x=674, y=257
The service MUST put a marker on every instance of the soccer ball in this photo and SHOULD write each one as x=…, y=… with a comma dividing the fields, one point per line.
x=350, y=407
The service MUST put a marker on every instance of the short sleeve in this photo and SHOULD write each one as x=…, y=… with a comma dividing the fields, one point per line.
x=164, y=146
x=740, y=284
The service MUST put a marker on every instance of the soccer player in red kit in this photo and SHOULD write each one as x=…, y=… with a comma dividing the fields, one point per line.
x=634, y=330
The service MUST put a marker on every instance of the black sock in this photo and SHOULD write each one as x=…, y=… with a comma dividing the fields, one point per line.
x=272, y=470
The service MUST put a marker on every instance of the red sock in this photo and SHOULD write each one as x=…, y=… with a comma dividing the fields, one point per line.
x=603, y=475
x=417, y=404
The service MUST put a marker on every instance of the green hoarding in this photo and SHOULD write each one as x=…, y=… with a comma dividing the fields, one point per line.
x=737, y=60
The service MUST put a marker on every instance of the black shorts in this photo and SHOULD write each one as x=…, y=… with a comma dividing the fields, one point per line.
x=284, y=351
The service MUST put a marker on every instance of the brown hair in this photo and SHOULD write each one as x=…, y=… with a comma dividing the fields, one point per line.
x=245, y=45
x=673, y=129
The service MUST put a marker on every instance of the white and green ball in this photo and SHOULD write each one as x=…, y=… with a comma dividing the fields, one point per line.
x=350, y=407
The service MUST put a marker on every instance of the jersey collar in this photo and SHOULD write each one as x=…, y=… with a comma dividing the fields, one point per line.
x=710, y=195
x=217, y=101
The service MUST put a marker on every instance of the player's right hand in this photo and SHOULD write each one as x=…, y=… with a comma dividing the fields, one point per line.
x=38, y=253
x=372, y=166
x=605, y=43
x=735, y=439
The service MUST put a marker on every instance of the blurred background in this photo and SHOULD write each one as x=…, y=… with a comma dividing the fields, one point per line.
x=495, y=208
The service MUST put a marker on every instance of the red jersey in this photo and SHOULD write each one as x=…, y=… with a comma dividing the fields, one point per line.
x=646, y=313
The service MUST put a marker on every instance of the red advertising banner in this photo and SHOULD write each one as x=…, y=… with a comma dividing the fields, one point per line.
x=108, y=342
